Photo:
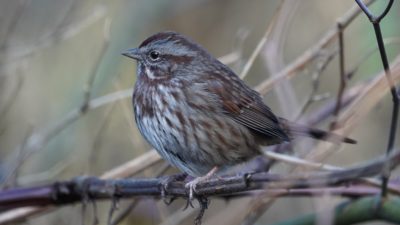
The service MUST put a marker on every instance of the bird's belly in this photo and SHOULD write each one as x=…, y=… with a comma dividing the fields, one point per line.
x=197, y=142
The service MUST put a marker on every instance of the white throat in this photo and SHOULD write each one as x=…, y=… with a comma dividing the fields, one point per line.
x=150, y=73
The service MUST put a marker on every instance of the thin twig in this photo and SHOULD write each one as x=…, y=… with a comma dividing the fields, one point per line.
x=375, y=20
x=260, y=44
x=343, y=77
x=300, y=62
x=37, y=141
x=313, y=97
x=370, y=52
x=321, y=166
x=323, y=112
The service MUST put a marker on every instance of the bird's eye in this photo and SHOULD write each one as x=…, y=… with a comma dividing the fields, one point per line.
x=154, y=55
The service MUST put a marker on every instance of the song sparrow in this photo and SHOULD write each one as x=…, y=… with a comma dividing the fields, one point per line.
x=197, y=113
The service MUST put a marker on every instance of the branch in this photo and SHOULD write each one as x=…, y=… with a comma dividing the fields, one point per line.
x=78, y=189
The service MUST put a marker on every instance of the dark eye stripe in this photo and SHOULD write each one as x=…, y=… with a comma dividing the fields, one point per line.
x=179, y=59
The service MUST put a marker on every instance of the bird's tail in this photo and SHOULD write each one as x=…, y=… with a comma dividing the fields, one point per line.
x=295, y=129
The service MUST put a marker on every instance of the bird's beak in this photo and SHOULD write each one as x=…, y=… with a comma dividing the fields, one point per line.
x=133, y=53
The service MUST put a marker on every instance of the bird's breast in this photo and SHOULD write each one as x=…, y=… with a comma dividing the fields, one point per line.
x=189, y=130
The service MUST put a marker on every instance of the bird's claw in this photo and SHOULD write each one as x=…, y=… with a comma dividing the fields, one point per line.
x=191, y=186
x=164, y=185
x=164, y=197
x=203, y=201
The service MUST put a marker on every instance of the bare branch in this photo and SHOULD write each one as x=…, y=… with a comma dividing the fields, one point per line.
x=82, y=187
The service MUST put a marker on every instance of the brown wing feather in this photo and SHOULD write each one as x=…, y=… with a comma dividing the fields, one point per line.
x=246, y=107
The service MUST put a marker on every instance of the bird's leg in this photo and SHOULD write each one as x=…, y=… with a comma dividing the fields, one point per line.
x=165, y=183
x=192, y=184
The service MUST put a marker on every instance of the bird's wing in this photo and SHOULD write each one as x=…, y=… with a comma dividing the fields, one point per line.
x=245, y=106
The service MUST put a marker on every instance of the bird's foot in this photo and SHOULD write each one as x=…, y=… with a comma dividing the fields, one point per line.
x=165, y=184
x=191, y=185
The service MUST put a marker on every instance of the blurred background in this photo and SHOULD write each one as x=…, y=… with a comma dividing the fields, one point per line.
x=51, y=51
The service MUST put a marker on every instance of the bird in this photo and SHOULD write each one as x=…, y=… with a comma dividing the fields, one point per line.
x=198, y=114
